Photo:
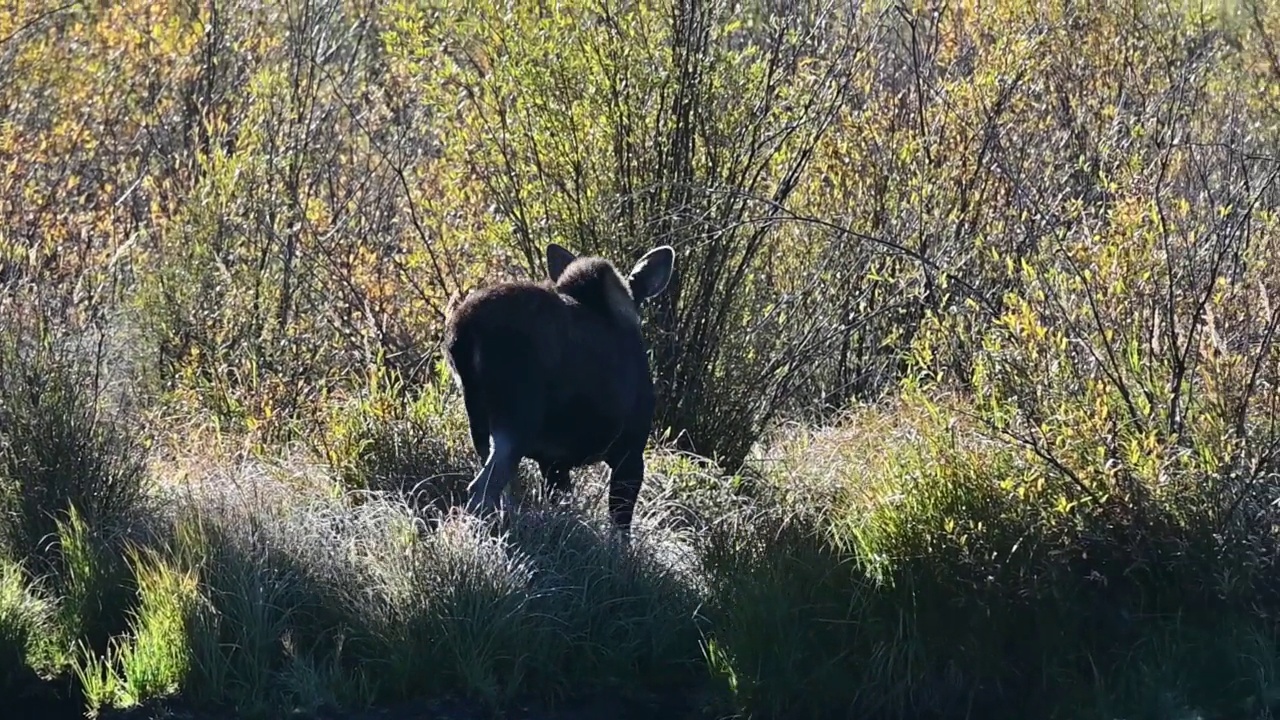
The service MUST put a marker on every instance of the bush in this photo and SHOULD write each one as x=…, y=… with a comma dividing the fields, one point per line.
x=62, y=446
x=620, y=168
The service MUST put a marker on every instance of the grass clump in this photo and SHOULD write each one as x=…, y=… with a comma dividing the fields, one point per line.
x=62, y=445
x=554, y=610
x=73, y=484
x=785, y=634
x=390, y=436
x=267, y=623
x=26, y=622
x=154, y=658
x=94, y=588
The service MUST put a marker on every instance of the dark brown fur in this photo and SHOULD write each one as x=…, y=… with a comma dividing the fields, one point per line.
x=557, y=372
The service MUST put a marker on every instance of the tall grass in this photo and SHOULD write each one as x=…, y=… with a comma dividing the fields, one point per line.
x=26, y=622
x=914, y=581
x=63, y=443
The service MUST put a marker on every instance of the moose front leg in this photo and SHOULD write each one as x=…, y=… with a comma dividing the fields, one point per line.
x=626, y=475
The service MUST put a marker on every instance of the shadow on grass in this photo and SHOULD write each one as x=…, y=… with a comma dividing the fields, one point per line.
x=721, y=607
x=326, y=606
x=27, y=695
x=800, y=629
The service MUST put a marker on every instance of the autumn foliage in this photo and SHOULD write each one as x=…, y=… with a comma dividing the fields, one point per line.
x=968, y=376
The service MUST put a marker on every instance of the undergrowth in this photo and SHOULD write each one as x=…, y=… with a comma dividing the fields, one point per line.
x=967, y=378
x=914, y=582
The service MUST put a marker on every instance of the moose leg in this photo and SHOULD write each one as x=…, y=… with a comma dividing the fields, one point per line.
x=556, y=476
x=626, y=474
x=487, y=487
x=508, y=425
x=478, y=422
x=513, y=399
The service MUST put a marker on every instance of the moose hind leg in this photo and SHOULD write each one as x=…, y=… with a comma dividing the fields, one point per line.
x=514, y=398
x=557, y=478
x=486, y=489
x=477, y=421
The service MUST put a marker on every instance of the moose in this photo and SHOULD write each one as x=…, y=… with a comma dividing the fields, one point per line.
x=557, y=371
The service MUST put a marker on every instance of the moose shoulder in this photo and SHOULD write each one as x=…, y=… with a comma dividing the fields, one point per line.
x=558, y=372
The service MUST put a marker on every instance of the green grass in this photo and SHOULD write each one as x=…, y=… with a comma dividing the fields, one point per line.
x=154, y=659
x=26, y=619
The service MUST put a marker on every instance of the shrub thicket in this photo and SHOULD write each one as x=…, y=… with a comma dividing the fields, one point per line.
x=1016, y=259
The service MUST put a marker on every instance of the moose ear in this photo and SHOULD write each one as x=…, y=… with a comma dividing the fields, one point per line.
x=557, y=260
x=652, y=273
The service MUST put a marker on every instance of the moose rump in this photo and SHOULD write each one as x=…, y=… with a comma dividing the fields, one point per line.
x=558, y=372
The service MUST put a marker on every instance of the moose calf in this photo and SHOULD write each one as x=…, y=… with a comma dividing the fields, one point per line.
x=558, y=372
